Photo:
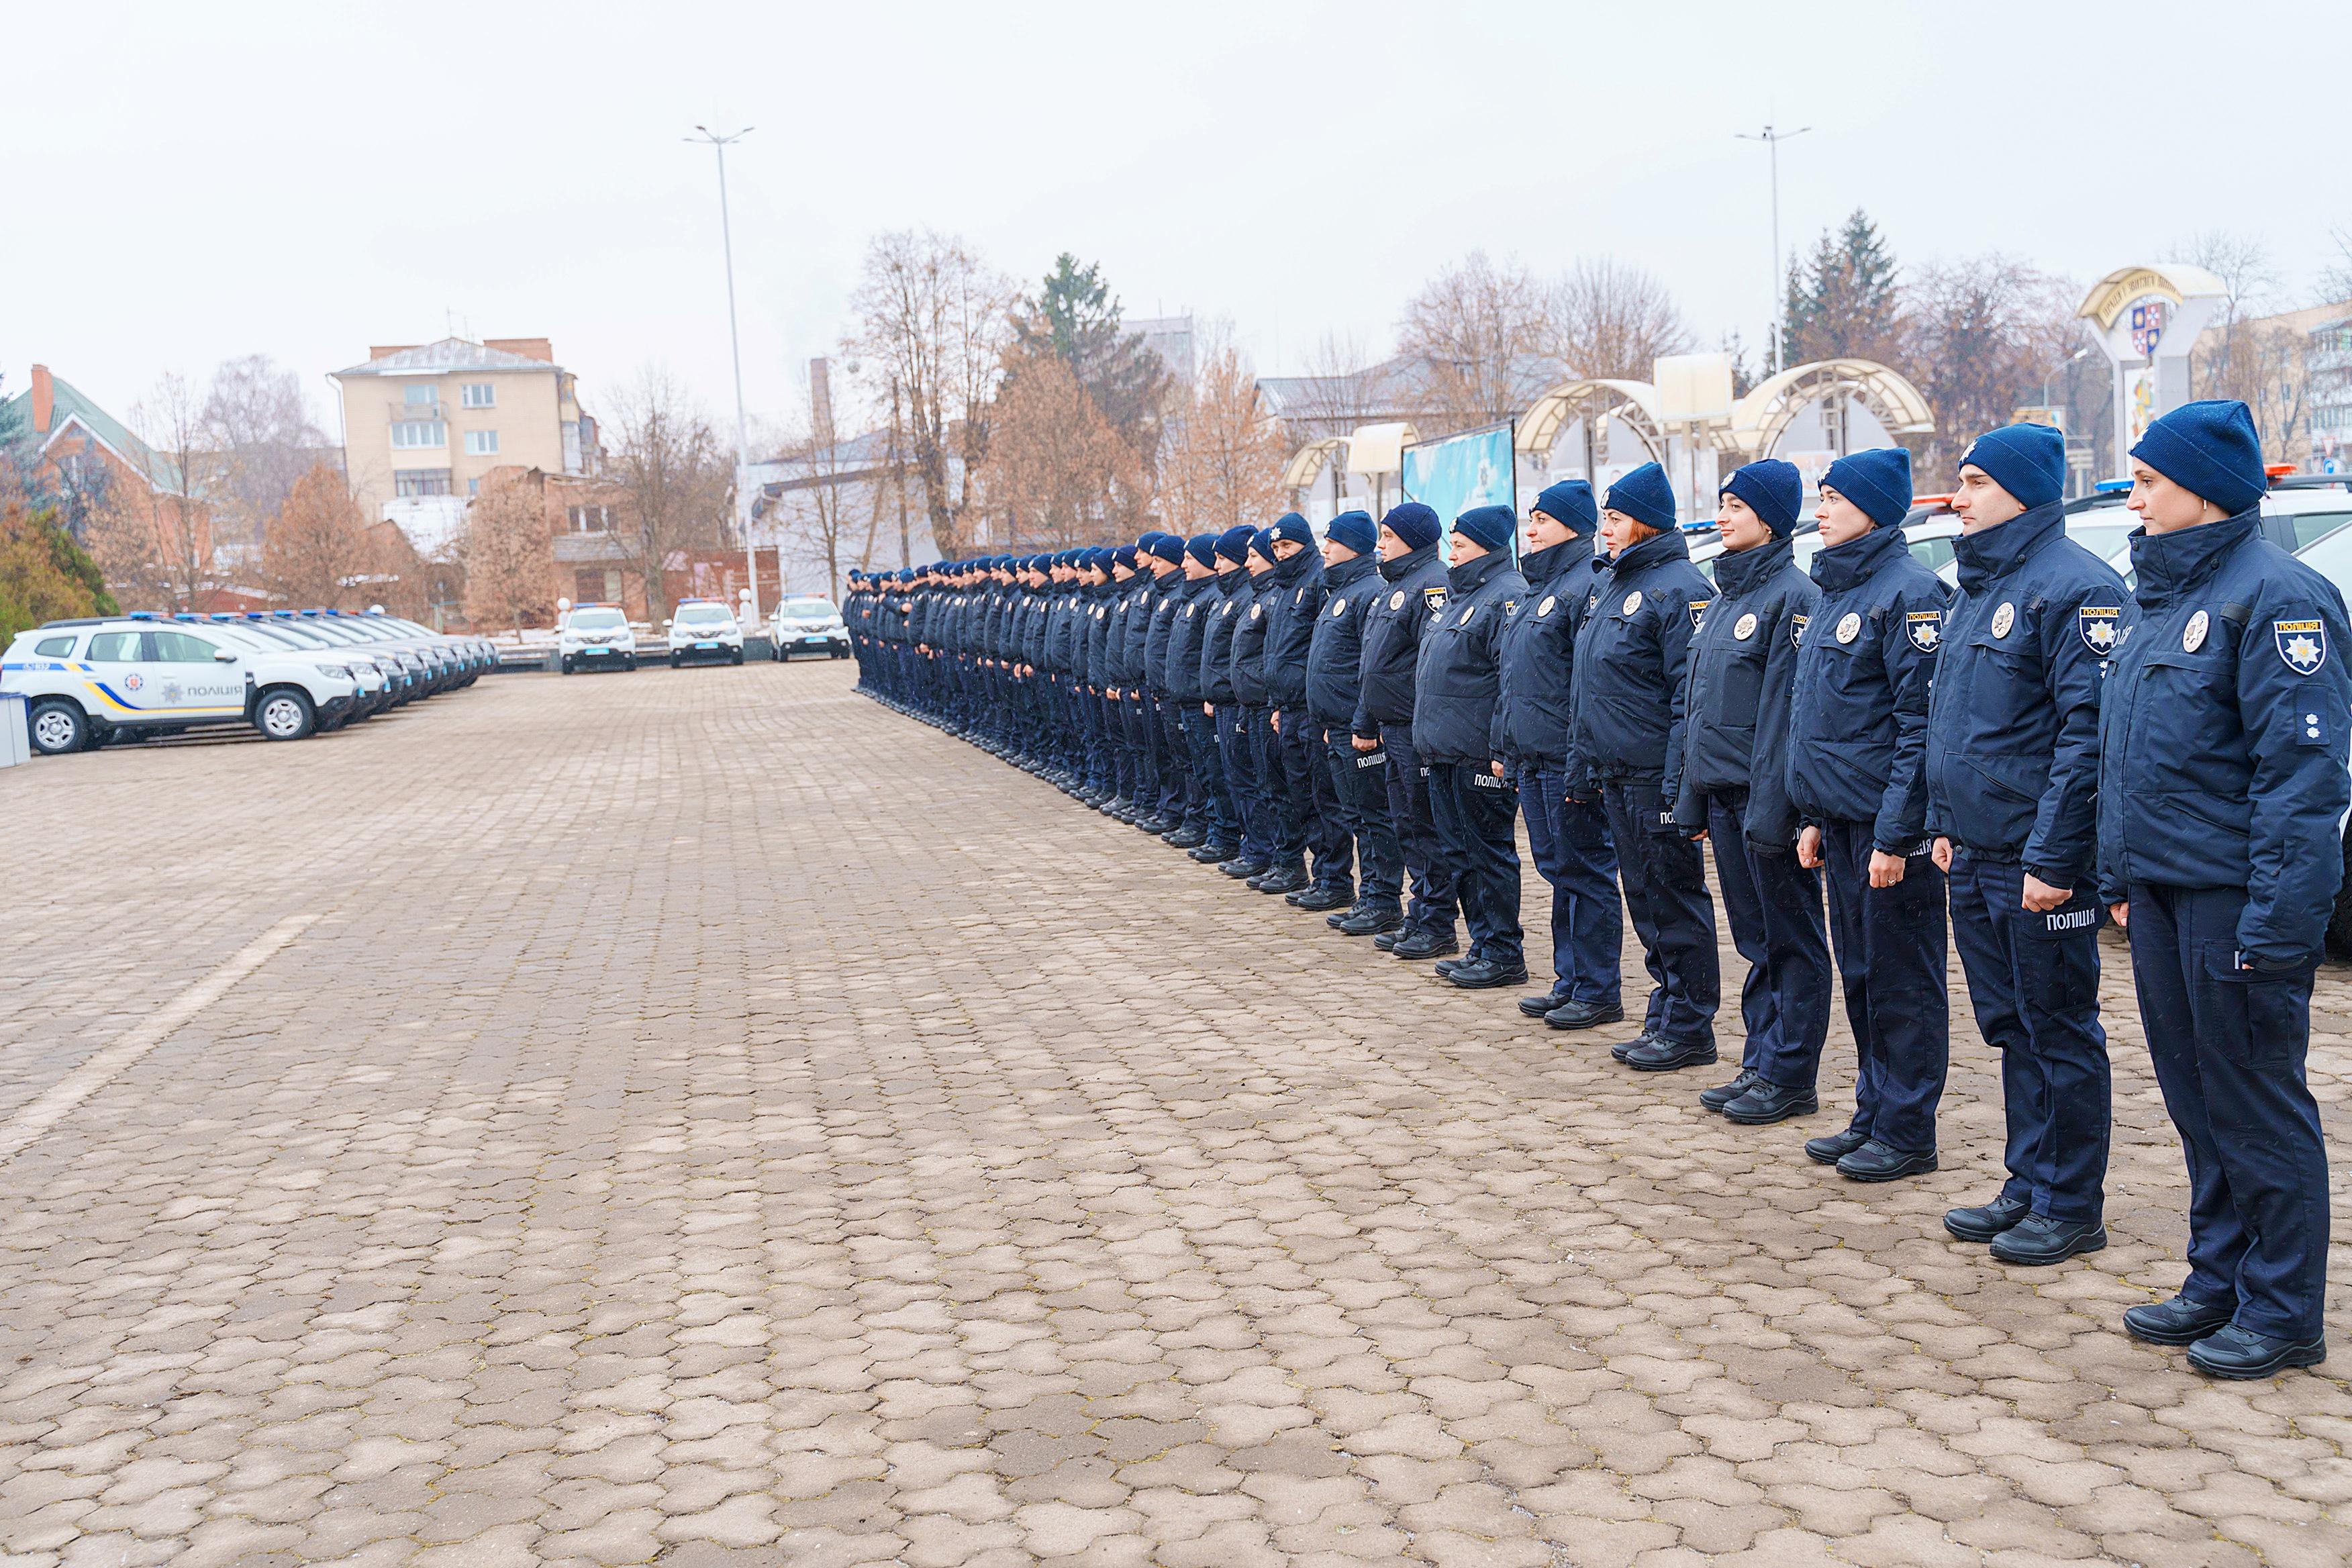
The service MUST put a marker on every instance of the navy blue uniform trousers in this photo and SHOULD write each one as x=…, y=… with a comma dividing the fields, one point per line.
x=1774, y=906
x=1212, y=811
x=1477, y=815
x=2034, y=984
x=1432, y=904
x=1891, y=945
x=1330, y=851
x=1569, y=840
x=1251, y=807
x=1665, y=891
x=1287, y=813
x=1360, y=785
x=2228, y=1046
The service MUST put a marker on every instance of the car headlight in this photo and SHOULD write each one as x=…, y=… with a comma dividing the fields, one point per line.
x=340, y=671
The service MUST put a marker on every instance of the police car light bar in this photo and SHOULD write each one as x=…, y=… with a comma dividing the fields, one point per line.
x=2110, y=487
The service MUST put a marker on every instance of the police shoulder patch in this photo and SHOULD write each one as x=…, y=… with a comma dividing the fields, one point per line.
x=1925, y=627
x=1434, y=598
x=2302, y=643
x=2098, y=624
x=1698, y=612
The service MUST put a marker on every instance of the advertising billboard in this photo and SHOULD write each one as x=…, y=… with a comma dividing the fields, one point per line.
x=1454, y=474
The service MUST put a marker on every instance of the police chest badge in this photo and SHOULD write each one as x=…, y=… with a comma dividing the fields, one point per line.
x=1257, y=610
x=2097, y=623
x=1632, y=604
x=1190, y=608
x=2003, y=618
x=2192, y=636
x=1396, y=600
x=1849, y=629
x=2302, y=644
x=1544, y=608
x=1226, y=608
x=1434, y=599
x=1698, y=611
x=1745, y=627
x=1927, y=626
x=1339, y=608
x=1467, y=611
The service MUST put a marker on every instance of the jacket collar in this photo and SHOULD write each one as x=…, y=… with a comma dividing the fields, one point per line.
x=1229, y=582
x=1841, y=566
x=1737, y=571
x=1411, y=562
x=1287, y=574
x=1461, y=580
x=1995, y=552
x=2171, y=564
x=1350, y=572
x=1539, y=567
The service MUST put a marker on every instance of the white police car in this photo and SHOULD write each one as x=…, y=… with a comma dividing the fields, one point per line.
x=595, y=636
x=87, y=681
x=808, y=622
x=374, y=676
x=704, y=631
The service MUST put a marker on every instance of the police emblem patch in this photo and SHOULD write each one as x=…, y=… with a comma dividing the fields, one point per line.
x=1226, y=608
x=1467, y=611
x=1257, y=610
x=1434, y=598
x=1797, y=630
x=1544, y=608
x=1745, y=627
x=1849, y=629
x=2003, y=618
x=1925, y=626
x=1190, y=608
x=1339, y=608
x=134, y=681
x=2302, y=644
x=1698, y=610
x=1396, y=600
x=2097, y=623
x=1299, y=597
x=1633, y=604
x=2192, y=636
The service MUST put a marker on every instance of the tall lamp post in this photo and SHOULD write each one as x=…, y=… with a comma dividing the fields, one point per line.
x=1772, y=137
x=720, y=145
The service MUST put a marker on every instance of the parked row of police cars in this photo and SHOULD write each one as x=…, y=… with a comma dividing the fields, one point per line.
x=702, y=631
x=286, y=673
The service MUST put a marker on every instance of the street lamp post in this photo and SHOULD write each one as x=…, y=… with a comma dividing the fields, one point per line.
x=720, y=145
x=1772, y=137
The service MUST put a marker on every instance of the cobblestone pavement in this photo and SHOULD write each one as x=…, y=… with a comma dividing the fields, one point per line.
x=712, y=1120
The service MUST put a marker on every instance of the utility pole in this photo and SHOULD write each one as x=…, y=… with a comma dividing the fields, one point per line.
x=1772, y=137
x=735, y=342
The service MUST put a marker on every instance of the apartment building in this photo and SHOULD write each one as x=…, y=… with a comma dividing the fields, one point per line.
x=423, y=422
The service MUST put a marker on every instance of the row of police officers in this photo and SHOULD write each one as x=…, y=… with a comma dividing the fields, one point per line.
x=1881, y=767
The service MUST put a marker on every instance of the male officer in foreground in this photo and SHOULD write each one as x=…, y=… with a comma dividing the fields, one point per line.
x=2012, y=788
x=2221, y=778
x=1352, y=584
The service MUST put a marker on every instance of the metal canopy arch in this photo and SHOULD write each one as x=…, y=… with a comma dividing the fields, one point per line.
x=1306, y=465
x=1634, y=402
x=2175, y=282
x=1758, y=420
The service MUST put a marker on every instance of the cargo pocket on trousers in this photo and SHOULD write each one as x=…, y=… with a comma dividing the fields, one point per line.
x=2258, y=1020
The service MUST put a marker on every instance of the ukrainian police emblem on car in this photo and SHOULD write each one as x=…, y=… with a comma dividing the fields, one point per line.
x=1927, y=625
x=2097, y=623
x=2302, y=644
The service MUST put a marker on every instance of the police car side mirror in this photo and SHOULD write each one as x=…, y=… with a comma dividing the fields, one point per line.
x=224, y=655
x=666, y=621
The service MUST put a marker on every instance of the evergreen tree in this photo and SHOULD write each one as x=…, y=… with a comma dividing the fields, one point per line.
x=44, y=574
x=1074, y=318
x=1842, y=300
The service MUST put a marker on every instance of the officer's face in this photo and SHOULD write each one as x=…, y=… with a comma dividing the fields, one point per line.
x=1334, y=553
x=1284, y=549
x=1981, y=504
x=1392, y=544
x=1465, y=549
x=1193, y=569
x=1257, y=563
x=1842, y=521
x=1738, y=522
x=2166, y=507
x=1621, y=532
x=1544, y=530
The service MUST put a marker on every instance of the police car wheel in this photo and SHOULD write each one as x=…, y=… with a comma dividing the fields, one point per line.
x=564, y=666
x=59, y=726
x=285, y=714
x=739, y=656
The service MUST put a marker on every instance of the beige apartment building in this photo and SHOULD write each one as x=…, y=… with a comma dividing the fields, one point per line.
x=423, y=422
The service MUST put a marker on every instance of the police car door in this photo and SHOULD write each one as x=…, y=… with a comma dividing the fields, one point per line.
x=119, y=680
x=192, y=680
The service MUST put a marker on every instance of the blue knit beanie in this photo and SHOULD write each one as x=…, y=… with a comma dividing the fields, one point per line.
x=1644, y=496
x=1773, y=490
x=1878, y=480
x=1569, y=503
x=1355, y=529
x=2029, y=461
x=1202, y=548
x=1489, y=526
x=1292, y=526
x=1263, y=543
x=1234, y=543
x=2210, y=450
x=1166, y=547
x=1124, y=556
x=1414, y=523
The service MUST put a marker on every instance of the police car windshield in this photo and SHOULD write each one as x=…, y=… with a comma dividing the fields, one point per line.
x=2102, y=539
x=2332, y=558
x=700, y=615
x=333, y=631
x=810, y=610
x=597, y=620
x=292, y=634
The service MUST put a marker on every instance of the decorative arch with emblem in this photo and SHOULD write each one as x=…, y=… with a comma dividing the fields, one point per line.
x=1760, y=419
x=1595, y=404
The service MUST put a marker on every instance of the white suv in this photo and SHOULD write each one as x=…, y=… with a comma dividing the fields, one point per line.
x=595, y=636
x=807, y=623
x=704, y=629
x=87, y=681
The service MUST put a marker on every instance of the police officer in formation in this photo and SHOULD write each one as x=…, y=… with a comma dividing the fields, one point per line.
x=2015, y=763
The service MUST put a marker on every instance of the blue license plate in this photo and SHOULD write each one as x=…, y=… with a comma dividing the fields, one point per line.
x=595, y=652
x=701, y=644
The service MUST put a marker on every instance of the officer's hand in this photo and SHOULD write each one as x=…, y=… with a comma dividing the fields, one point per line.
x=1698, y=835
x=1497, y=767
x=2042, y=898
x=1276, y=718
x=1363, y=745
x=1942, y=855
x=2120, y=914
x=1809, y=848
x=1209, y=708
x=1885, y=869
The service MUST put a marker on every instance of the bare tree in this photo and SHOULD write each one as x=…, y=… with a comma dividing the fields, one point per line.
x=263, y=441
x=932, y=319
x=831, y=491
x=1981, y=337
x=1057, y=471
x=1338, y=392
x=2335, y=278
x=1222, y=458
x=152, y=536
x=670, y=478
x=1474, y=327
x=316, y=550
x=505, y=552
x=2248, y=274
x=1610, y=318
x=2264, y=364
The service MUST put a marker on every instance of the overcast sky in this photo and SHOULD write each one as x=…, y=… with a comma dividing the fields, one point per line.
x=192, y=183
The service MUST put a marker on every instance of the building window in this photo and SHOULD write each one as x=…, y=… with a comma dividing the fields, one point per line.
x=420, y=482
x=481, y=395
x=481, y=443
x=413, y=434
x=416, y=396
x=591, y=519
x=473, y=486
